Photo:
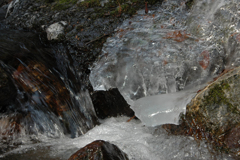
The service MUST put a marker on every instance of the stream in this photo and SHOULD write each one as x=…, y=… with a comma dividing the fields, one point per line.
x=49, y=113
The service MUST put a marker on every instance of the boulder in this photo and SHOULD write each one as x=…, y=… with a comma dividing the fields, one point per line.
x=99, y=150
x=214, y=114
x=55, y=30
x=110, y=104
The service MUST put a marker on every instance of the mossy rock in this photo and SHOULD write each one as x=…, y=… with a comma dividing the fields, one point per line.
x=214, y=113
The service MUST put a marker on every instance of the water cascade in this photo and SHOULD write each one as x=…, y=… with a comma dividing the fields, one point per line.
x=158, y=61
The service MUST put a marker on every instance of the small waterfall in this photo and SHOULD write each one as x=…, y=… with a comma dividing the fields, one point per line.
x=47, y=99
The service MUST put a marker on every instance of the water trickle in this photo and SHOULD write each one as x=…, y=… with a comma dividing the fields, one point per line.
x=47, y=101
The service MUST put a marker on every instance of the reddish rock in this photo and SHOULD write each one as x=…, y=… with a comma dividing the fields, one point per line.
x=37, y=78
x=232, y=139
x=99, y=150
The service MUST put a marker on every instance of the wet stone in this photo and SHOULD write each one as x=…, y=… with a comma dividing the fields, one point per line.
x=214, y=114
x=99, y=150
x=110, y=104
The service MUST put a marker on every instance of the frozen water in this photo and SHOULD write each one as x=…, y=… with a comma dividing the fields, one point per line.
x=162, y=109
x=169, y=48
x=165, y=51
x=135, y=139
x=165, y=108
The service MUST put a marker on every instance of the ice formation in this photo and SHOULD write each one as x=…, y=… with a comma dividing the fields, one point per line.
x=162, y=109
x=158, y=53
x=165, y=51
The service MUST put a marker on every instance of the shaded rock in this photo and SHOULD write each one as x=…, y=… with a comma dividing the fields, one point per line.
x=2, y=13
x=8, y=91
x=3, y=2
x=214, y=114
x=99, y=150
x=110, y=104
x=56, y=29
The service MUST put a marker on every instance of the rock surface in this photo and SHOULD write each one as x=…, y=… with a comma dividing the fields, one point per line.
x=56, y=29
x=88, y=22
x=99, y=150
x=214, y=114
x=8, y=91
x=110, y=104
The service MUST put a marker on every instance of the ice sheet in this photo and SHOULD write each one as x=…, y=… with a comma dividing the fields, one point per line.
x=162, y=109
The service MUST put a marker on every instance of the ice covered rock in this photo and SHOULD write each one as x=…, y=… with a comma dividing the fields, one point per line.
x=54, y=30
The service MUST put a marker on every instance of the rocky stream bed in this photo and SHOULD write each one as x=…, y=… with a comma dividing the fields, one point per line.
x=56, y=55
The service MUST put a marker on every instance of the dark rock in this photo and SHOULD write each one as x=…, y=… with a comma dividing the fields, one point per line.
x=8, y=91
x=50, y=94
x=3, y=2
x=2, y=13
x=99, y=150
x=110, y=104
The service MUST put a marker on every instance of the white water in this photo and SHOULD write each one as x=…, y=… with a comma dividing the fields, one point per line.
x=138, y=141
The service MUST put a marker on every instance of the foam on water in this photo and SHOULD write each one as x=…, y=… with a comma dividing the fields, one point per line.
x=135, y=139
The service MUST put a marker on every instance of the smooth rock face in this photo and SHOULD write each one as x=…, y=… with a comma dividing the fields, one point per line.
x=99, y=150
x=110, y=103
x=214, y=114
x=54, y=30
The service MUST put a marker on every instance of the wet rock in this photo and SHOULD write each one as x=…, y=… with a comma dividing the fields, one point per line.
x=110, y=104
x=56, y=29
x=49, y=94
x=214, y=113
x=3, y=2
x=99, y=150
x=8, y=91
x=34, y=79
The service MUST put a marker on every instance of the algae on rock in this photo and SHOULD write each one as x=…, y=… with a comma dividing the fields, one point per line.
x=214, y=114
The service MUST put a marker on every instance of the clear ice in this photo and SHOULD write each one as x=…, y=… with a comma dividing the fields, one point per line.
x=166, y=50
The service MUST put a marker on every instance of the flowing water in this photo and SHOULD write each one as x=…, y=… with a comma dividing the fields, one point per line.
x=165, y=51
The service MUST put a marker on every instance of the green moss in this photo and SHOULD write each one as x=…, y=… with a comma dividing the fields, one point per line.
x=63, y=4
x=89, y=3
x=216, y=95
